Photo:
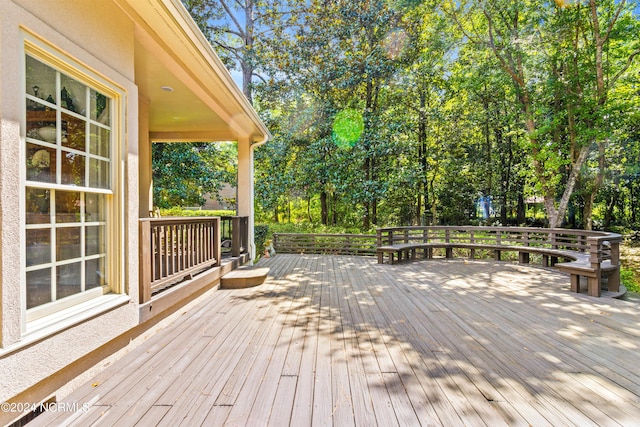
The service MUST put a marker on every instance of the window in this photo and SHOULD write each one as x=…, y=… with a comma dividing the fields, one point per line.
x=69, y=187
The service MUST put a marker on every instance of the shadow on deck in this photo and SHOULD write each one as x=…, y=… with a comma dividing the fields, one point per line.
x=344, y=341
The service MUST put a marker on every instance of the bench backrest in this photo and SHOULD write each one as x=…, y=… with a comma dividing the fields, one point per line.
x=599, y=245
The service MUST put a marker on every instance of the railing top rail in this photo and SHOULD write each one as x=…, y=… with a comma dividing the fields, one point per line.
x=467, y=228
x=609, y=237
x=372, y=236
x=180, y=220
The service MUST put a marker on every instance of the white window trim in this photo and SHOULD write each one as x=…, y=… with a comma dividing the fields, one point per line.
x=58, y=315
x=65, y=319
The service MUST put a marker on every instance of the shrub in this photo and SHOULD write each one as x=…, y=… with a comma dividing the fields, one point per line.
x=628, y=279
x=261, y=232
x=190, y=212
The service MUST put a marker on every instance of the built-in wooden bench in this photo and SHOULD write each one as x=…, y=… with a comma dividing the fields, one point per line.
x=587, y=254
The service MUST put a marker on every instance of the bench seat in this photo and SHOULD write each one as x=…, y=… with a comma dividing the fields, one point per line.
x=593, y=273
x=406, y=250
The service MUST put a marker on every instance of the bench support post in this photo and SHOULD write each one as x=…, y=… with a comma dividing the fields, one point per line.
x=613, y=280
x=594, y=284
x=545, y=260
x=575, y=283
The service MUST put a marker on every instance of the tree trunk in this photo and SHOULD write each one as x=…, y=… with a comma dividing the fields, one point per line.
x=608, y=215
x=366, y=220
x=521, y=210
x=587, y=211
x=247, y=73
x=247, y=58
x=324, y=211
x=334, y=209
x=422, y=153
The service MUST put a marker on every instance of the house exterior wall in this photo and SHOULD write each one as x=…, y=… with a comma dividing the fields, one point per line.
x=113, y=43
x=98, y=35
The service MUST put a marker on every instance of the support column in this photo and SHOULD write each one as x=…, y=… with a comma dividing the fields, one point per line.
x=145, y=168
x=245, y=188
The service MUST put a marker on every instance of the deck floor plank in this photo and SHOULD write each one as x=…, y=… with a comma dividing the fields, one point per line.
x=302, y=411
x=528, y=360
x=342, y=413
x=331, y=340
x=405, y=331
x=361, y=401
x=225, y=369
x=519, y=393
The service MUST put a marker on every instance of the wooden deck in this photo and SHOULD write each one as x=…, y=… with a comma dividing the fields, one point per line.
x=334, y=340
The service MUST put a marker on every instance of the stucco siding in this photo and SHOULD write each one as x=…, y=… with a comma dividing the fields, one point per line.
x=99, y=27
x=100, y=37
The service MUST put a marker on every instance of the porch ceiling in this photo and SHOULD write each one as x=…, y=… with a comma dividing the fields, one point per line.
x=178, y=114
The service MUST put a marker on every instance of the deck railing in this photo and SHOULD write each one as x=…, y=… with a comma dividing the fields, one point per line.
x=173, y=249
x=337, y=244
x=553, y=238
x=599, y=245
x=235, y=235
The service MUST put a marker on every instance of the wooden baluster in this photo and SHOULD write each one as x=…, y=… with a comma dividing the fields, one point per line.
x=236, y=236
x=472, y=240
x=614, y=276
x=217, y=242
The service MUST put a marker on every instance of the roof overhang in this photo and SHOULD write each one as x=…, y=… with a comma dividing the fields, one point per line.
x=204, y=104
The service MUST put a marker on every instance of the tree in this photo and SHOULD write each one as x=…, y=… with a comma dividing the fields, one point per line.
x=245, y=31
x=557, y=52
x=184, y=173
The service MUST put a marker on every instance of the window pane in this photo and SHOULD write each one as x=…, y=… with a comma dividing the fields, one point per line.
x=95, y=274
x=94, y=240
x=67, y=206
x=42, y=130
x=98, y=173
x=68, y=243
x=38, y=246
x=68, y=280
x=99, y=141
x=73, y=132
x=38, y=287
x=41, y=163
x=100, y=108
x=41, y=80
x=41, y=125
x=72, y=169
x=38, y=206
x=94, y=207
x=73, y=95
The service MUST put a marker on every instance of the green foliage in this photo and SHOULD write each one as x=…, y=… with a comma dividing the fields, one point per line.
x=178, y=211
x=261, y=234
x=184, y=173
x=409, y=112
x=629, y=278
x=314, y=229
